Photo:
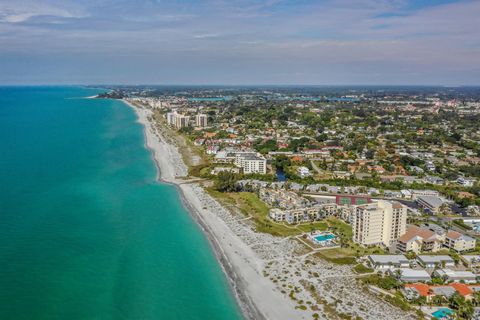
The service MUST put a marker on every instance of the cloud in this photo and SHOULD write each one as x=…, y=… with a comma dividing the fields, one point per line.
x=206, y=35
x=22, y=11
x=278, y=37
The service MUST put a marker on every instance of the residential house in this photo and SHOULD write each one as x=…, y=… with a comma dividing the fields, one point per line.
x=432, y=261
x=459, y=242
x=410, y=275
x=451, y=275
x=382, y=262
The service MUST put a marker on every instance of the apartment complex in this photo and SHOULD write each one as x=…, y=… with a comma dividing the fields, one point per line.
x=251, y=162
x=171, y=118
x=418, y=239
x=201, y=120
x=177, y=120
x=314, y=213
x=283, y=199
x=379, y=223
x=182, y=121
x=459, y=242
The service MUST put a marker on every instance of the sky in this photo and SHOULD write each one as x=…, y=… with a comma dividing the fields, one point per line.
x=322, y=42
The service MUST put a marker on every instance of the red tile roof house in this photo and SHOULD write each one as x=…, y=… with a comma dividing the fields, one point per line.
x=427, y=291
x=463, y=289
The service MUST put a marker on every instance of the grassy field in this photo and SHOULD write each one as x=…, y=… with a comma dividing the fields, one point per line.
x=251, y=206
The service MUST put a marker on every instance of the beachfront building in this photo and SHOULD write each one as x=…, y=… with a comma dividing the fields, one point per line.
x=418, y=239
x=311, y=213
x=379, y=223
x=181, y=121
x=388, y=261
x=283, y=199
x=295, y=215
x=201, y=120
x=410, y=275
x=251, y=162
x=459, y=242
x=177, y=120
x=435, y=261
x=171, y=118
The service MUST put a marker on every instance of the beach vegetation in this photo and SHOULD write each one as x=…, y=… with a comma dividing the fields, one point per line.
x=226, y=182
x=360, y=268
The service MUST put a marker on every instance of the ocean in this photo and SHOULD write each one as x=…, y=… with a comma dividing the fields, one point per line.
x=86, y=231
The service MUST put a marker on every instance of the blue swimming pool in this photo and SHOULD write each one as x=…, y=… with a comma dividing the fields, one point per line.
x=442, y=313
x=324, y=237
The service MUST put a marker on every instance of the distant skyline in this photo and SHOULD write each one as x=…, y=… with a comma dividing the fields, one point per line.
x=330, y=42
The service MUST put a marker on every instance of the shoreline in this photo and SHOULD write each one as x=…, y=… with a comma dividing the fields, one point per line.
x=240, y=287
x=270, y=277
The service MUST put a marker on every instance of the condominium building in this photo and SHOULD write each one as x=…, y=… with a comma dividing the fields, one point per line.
x=418, y=239
x=181, y=121
x=283, y=199
x=201, y=120
x=379, y=223
x=295, y=215
x=177, y=120
x=317, y=212
x=171, y=118
x=251, y=162
x=459, y=242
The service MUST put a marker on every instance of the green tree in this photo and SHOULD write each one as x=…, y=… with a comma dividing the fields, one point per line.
x=226, y=182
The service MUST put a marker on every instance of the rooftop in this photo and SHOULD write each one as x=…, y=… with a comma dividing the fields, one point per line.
x=414, y=231
x=435, y=259
x=389, y=258
x=431, y=201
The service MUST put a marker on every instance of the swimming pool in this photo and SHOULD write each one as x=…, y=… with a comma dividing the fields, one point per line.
x=324, y=237
x=442, y=313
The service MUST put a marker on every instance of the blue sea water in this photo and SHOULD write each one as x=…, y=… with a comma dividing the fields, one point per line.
x=85, y=230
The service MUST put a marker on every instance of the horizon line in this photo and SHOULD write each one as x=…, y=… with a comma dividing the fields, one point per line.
x=234, y=85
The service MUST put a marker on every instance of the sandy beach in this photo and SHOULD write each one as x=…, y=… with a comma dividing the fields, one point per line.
x=256, y=264
x=258, y=297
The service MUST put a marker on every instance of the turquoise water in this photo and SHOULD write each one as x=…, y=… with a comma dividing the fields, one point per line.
x=443, y=313
x=324, y=237
x=86, y=232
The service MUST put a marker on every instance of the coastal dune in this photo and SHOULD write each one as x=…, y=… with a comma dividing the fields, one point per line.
x=257, y=296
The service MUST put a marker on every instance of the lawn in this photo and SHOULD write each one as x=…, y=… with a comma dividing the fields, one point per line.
x=349, y=250
x=251, y=206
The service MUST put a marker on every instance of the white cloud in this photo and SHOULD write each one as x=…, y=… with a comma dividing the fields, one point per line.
x=206, y=35
x=21, y=11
